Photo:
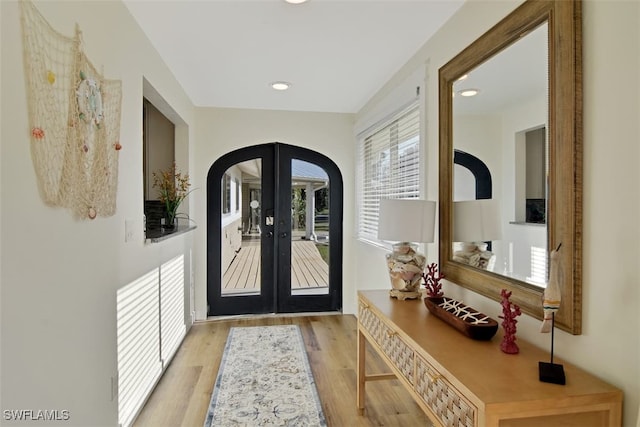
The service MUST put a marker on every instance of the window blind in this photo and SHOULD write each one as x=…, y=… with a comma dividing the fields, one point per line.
x=150, y=328
x=139, y=365
x=388, y=166
x=172, y=327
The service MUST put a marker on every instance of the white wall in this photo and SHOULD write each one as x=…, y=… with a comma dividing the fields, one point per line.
x=514, y=252
x=59, y=276
x=609, y=346
x=219, y=131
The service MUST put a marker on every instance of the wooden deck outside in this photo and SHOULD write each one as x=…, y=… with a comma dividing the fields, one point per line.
x=308, y=269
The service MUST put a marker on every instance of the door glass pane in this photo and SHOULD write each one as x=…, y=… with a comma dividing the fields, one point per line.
x=241, y=233
x=309, y=229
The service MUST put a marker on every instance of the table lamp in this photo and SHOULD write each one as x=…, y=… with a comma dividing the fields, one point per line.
x=406, y=222
x=476, y=222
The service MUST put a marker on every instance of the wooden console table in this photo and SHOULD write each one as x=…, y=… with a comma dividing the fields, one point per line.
x=461, y=382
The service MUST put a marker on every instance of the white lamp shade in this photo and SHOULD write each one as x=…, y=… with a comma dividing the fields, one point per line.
x=406, y=220
x=476, y=221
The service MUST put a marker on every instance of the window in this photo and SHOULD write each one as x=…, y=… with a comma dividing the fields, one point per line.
x=388, y=166
x=237, y=181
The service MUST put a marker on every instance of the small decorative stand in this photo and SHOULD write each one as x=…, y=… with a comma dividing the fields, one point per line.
x=551, y=372
x=509, y=313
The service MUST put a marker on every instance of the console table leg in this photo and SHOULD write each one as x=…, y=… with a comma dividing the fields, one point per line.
x=361, y=372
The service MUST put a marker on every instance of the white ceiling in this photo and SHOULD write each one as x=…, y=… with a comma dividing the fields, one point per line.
x=336, y=53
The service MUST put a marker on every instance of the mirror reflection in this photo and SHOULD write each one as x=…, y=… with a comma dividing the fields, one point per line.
x=505, y=140
x=500, y=177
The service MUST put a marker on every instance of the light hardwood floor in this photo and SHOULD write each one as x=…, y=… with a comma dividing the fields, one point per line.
x=183, y=394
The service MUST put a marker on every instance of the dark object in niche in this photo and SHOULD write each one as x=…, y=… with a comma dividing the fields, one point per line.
x=154, y=210
x=536, y=211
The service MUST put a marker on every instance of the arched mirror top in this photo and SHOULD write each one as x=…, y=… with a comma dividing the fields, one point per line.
x=548, y=205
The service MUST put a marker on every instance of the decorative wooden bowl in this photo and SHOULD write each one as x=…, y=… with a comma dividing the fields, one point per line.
x=472, y=323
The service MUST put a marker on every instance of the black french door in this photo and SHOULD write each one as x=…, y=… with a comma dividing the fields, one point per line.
x=274, y=232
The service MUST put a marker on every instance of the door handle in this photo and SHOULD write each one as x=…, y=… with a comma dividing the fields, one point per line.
x=283, y=235
x=269, y=233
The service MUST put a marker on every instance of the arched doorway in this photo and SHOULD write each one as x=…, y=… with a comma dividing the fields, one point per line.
x=478, y=169
x=274, y=232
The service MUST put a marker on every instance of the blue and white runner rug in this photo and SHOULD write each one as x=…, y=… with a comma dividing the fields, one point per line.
x=265, y=380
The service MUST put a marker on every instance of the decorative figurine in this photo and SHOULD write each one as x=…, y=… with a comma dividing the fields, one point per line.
x=509, y=313
x=551, y=372
x=552, y=296
x=432, y=281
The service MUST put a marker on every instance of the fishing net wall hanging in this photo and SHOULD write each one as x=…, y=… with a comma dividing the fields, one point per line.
x=74, y=119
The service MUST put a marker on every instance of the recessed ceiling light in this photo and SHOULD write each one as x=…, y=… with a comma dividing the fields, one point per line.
x=295, y=1
x=468, y=92
x=463, y=77
x=280, y=85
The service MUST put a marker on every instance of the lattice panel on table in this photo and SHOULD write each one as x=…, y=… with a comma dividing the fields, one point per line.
x=401, y=355
x=370, y=322
x=450, y=407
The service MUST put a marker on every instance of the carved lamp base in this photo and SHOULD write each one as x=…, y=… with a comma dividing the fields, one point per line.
x=403, y=295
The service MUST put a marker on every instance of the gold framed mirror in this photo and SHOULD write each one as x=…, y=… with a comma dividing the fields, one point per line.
x=560, y=24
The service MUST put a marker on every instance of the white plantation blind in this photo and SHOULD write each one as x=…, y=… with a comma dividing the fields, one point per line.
x=172, y=327
x=388, y=166
x=150, y=328
x=139, y=365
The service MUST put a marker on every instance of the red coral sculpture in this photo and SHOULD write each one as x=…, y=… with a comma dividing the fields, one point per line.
x=432, y=280
x=509, y=313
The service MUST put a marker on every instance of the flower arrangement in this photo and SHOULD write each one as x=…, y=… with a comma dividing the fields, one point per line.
x=432, y=281
x=173, y=188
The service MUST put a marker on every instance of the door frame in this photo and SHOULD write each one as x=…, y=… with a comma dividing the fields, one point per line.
x=273, y=299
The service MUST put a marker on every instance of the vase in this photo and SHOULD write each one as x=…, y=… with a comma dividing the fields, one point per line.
x=169, y=223
x=405, y=266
